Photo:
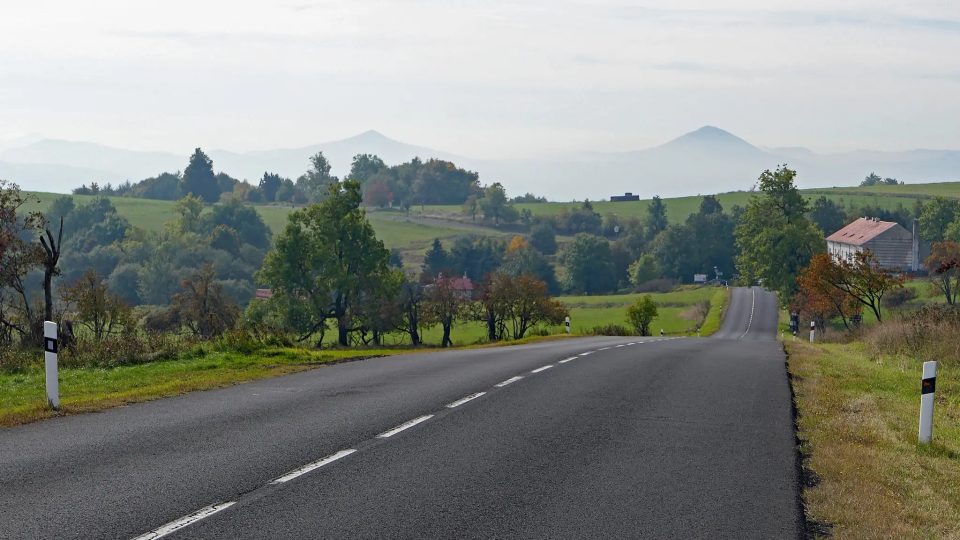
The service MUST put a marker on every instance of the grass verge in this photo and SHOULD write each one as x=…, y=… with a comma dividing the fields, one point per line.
x=22, y=394
x=714, y=318
x=867, y=476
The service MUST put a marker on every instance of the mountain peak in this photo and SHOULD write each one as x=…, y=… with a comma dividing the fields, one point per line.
x=710, y=137
x=370, y=135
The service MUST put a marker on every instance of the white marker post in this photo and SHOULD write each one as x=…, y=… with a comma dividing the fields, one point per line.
x=566, y=322
x=927, y=386
x=50, y=362
x=813, y=331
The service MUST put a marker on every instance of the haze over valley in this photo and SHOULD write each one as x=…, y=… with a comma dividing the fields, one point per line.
x=707, y=160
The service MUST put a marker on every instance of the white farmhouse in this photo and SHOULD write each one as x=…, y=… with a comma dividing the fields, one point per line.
x=894, y=247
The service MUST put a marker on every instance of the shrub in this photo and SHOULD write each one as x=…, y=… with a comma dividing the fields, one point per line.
x=899, y=297
x=14, y=360
x=641, y=313
x=610, y=330
x=926, y=334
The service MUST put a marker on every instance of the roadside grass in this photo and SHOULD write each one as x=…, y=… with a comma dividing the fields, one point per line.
x=22, y=394
x=857, y=422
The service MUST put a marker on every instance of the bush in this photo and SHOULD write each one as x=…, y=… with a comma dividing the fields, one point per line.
x=123, y=350
x=898, y=297
x=15, y=360
x=610, y=330
x=926, y=334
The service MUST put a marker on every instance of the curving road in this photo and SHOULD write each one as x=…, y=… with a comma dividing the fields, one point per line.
x=618, y=438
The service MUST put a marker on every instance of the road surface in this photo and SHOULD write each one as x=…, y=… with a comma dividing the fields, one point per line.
x=618, y=438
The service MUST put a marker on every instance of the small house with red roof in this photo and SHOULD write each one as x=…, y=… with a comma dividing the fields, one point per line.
x=895, y=248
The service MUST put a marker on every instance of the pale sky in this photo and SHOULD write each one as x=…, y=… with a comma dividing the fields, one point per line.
x=486, y=79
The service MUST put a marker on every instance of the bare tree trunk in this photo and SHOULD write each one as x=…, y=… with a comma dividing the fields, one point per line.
x=52, y=251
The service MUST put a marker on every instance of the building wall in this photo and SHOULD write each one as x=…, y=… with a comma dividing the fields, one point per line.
x=893, y=249
x=842, y=252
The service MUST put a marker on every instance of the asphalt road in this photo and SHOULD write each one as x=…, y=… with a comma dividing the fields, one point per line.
x=642, y=437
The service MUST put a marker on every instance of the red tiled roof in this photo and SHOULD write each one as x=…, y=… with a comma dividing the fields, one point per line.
x=860, y=231
x=264, y=293
x=461, y=284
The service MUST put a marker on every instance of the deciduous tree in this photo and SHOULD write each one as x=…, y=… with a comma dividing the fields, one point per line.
x=943, y=264
x=641, y=313
x=774, y=236
x=323, y=261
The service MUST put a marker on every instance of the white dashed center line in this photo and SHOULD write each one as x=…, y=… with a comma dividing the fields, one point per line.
x=185, y=521
x=403, y=426
x=586, y=353
x=544, y=368
x=511, y=380
x=565, y=360
x=621, y=345
x=605, y=348
x=460, y=402
x=313, y=466
x=632, y=343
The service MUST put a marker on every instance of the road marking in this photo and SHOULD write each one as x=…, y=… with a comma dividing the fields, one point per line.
x=753, y=304
x=460, y=402
x=539, y=369
x=312, y=466
x=605, y=348
x=585, y=353
x=185, y=521
x=565, y=360
x=511, y=380
x=621, y=345
x=403, y=426
x=632, y=343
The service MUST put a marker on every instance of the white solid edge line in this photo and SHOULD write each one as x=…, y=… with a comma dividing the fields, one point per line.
x=585, y=353
x=175, y=526
x=312, y=466
x=508, y=381
x=565, y=360
x=461, y=401
x=403, y=426
x=539, y=369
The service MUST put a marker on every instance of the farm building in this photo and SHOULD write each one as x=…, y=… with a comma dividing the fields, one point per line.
x=625, y=197
x=895, y=248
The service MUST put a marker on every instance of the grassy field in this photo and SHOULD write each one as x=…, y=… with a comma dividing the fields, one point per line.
x=858, y=425
x=676, y=315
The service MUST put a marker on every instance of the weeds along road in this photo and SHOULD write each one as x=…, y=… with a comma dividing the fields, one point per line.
x=618, y=437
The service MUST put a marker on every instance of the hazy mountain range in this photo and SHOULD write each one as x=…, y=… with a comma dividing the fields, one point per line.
x=708, y=160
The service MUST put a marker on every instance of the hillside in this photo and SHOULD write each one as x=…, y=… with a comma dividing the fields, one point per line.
x=412, y=234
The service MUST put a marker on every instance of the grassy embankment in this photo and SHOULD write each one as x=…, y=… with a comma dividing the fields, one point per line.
x=858, y=423
x=91, y=388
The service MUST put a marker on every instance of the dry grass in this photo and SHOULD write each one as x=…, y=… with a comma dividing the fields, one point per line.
x=858, y=424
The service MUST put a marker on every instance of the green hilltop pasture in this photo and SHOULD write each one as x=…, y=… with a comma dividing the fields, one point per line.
x=414, y=230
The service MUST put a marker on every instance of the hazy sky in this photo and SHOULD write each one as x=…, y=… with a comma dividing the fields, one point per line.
x=481, y=78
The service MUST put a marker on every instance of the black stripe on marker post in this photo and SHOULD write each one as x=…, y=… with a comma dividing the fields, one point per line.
x=927, y=386
x=50, y=345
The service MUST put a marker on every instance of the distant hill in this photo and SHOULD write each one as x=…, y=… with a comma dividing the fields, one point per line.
x=708, y=160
